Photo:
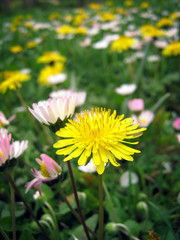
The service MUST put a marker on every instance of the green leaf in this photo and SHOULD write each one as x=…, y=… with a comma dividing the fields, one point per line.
x=90, y=222
x=26, y=236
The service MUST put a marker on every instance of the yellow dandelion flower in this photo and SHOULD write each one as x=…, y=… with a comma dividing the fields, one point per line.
x=16, y=49
x=107, y=16
x=123, y=43
x=28, y=24
x=128, y=3
x=151, y=31
x=174, y=15
x=68, y=17
x=80, y=30
x=12, y=80
x=50, y=70
x=95, y=6
x=100, y=135
x=78, y=20
x=65, y=29
x=164, y=22
x=54, y=16
x=144, y=5
x=48, y=57
x=173, y=49
x=31, y=45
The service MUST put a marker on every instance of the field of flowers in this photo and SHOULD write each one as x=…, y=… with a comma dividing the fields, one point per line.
x=90, y=120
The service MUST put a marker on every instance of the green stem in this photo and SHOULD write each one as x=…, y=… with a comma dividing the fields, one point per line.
x=77, y=200
x=3, y=234
x=26, y=205
x=13, y=212
x=101, y=209
x=72, y=210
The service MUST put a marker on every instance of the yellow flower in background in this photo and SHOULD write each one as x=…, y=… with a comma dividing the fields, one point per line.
x=68, y=18
x=79, y=19
x=151, y=31
x=95, y=6
x=31, y=45
x=123, y=43
x=16, y=49
x=12, y=80
x=144, y=5
x=109, y=3
x=174, y=15
x=173, y=49
x=28, y=24
x=107, y=16
x=80, y=30
x=54, y=16
x=164, y=22
x=65, y=29
x=48, y=71
x=121, y=11
x=49, y=57
x=128, y=3
x=99, y=135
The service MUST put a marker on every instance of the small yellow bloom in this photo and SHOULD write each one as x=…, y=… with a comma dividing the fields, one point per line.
x=99, y=135
x=16, y=49
x=174, y=15
x=80, y=30
x=65, y=29
x=78, y=20
x=54, y=16
x=49, y=57
x=107, y=16
x=31, y=45
x=68, y=17
x=95, y=6
x=151, y=31
x=123, y=43
x=48, y=71
x=12, y=80
x=128, y=3
x=144, y=5
x=164, y=22
x=28, y=24
x=173, y=49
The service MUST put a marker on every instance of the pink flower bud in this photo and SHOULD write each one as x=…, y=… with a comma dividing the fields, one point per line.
x=136, y=104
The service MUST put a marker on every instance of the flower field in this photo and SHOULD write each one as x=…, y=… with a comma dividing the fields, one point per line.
x=90, y=120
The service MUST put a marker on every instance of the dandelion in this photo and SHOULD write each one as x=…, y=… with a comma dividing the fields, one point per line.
x=12, y=80
x=100, y=135
x=123, y=43
x=173, y=49
x=50, y=170
x=164, y=22
x=49, y=57
x=16, y=49
x=151, y=31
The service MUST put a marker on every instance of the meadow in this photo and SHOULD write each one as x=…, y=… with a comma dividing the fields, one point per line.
x=113, y=67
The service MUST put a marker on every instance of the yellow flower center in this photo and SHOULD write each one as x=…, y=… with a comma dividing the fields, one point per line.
x=2, y=155
x=143, y=120
x=44, y=171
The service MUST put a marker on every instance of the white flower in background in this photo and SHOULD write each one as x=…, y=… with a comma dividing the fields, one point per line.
x=4, y=121
x=93, y=31
x=80, y=96
x=178, y=138
x=101, y=44
x=160, y=44
x=145, y=118
x=126, y=89
x=57, y=78
x=139, y=55
x=49, y=111
x=167, y=167
x=88, y=168
x=25, y=71
x=173, y=32
x=111, y=37
x=153, y=58
x=124, y=179
x=86, y=42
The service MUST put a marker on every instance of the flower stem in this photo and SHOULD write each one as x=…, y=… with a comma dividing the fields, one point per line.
x=72, y=210
x=13, y=212
x=101, y=209
x=77, y=200
x=26, y=205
